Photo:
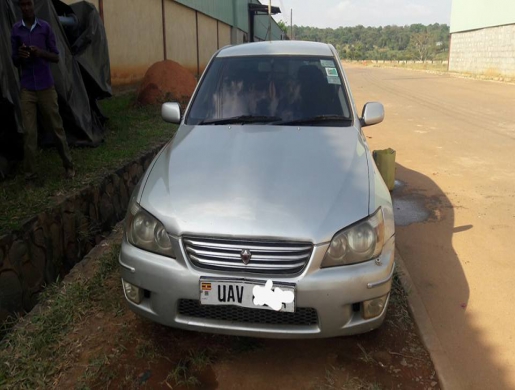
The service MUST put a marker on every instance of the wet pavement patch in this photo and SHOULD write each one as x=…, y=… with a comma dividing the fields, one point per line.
x=408, y=207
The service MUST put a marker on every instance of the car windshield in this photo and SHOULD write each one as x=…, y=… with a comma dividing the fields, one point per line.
x=284, y=90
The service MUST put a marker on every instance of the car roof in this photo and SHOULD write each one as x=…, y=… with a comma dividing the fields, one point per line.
x=277, y=48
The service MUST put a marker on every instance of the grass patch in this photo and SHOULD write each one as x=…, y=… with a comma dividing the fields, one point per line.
x=490, y=74
x=130, y=131
x=146, y=349
x=438, y=67
x=199, y=360
x=186, y=371
x=400, y=317
x=366, y=357
x=97, y=368
x=333, y=381
x=33, y=353
x=182, y=376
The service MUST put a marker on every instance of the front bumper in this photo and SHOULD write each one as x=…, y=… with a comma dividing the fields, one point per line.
x=335, y=293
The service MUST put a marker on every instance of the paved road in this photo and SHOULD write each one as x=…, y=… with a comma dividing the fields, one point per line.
x=455, y=143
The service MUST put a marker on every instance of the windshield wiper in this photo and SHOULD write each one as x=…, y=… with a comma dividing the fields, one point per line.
x=240, y=119
x=314, y=119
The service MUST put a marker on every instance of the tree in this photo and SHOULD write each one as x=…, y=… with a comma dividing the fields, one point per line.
x=283, y=26
x=390, y=42
x=422, y=45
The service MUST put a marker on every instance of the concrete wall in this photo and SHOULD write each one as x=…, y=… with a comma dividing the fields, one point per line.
x=181, y=35
x=224, y=35
x=135, y=34
x=134, y=31
x=241, y=36
x=469, y=15
x=489, y=51
x=207, y=39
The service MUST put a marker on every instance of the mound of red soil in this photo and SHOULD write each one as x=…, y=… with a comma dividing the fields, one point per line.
x=166, y=81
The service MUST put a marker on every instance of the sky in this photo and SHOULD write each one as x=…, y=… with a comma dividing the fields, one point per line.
x=336, y=13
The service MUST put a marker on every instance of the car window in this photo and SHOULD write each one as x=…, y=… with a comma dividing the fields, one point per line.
x=287, y=88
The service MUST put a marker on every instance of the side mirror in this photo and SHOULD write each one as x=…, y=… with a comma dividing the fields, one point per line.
x=373, y=113
x=171, y=113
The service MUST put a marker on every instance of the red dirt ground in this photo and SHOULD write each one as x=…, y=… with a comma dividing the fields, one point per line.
x=116, y=349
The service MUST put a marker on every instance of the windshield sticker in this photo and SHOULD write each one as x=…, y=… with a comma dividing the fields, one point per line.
x=331, y=71
x=327, y=63
x=334, y=80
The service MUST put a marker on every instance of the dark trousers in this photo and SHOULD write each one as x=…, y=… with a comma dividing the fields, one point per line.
x=46, y=102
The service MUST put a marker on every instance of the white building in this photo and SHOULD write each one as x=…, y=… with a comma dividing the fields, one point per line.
x=483, y=37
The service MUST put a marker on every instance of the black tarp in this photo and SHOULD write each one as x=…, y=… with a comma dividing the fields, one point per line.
x=10, y=119
x=82, y=75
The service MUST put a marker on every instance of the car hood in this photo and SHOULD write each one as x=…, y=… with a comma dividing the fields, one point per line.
x=276, y=182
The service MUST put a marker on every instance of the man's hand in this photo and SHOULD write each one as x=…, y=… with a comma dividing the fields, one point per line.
x=36, y=51
x=24, y=52
x=40, y=53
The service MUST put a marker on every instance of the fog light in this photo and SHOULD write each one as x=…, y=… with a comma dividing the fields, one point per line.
x=374, y=307
x=133, y=293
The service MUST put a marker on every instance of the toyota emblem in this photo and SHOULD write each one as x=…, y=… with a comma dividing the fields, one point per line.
x=245, y=256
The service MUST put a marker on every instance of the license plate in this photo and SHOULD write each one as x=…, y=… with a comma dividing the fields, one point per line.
x=250, y=294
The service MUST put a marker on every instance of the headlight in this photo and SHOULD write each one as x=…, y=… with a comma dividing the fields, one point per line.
x=361, y=242
x=146, y=232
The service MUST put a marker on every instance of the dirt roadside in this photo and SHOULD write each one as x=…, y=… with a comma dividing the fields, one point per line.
x=436, y=69
x=107, y=346
x=454, y=140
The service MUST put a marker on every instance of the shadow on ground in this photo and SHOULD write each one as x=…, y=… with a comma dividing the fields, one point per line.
x=425, y=229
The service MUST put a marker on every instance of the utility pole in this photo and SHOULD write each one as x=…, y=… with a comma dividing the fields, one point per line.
x=291, y=24
x=270, y=19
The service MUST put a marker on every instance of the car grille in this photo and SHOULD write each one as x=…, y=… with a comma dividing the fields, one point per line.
x=301, y=316
x=267, y=257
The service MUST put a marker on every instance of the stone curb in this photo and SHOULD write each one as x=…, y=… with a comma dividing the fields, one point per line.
x=444, y=370
x=50, y=243
x=83, y=270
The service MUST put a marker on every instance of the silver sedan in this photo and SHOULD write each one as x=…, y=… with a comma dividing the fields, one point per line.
x=265, y=215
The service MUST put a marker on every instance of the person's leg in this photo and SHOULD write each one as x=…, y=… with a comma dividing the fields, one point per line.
x=28, y=101
x=49, y=108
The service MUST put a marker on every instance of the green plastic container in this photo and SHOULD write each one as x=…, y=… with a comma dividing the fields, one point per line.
x=385, y=162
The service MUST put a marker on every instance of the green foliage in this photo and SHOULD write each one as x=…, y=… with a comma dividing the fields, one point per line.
x=29, y=353
x=415, y=42
x=130, y=131
x=282, y=26
x=184, y=374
